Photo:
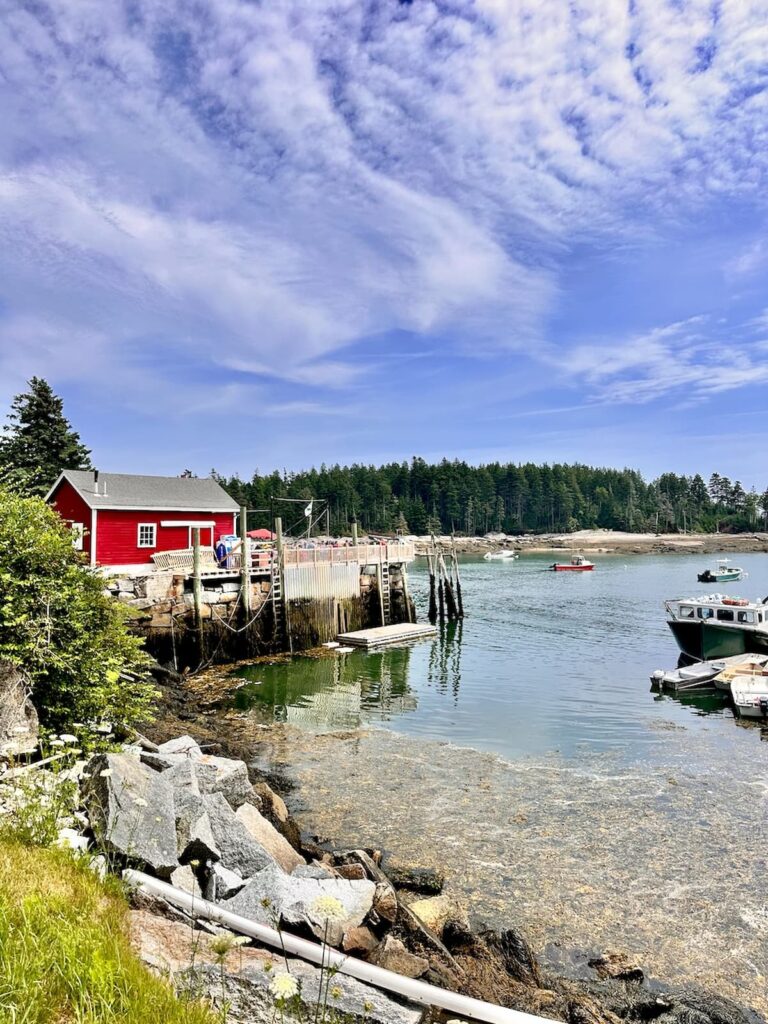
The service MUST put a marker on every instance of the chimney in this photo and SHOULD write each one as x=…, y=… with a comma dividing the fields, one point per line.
x=95, y=481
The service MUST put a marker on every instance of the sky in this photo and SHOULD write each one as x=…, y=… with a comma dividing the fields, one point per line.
x=257, y=235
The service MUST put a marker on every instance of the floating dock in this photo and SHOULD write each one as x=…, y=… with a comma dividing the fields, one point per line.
x=387, y=636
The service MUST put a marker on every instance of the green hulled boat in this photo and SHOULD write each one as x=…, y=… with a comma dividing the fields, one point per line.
x=716, y=626
x=724, y=572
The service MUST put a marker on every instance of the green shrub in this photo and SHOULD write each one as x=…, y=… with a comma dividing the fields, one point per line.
x=59, y=628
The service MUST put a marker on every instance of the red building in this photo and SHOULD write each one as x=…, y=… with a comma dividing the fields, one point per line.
x=120, y=519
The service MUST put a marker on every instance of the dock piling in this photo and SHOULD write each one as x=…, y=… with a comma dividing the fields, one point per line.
x=245, y=564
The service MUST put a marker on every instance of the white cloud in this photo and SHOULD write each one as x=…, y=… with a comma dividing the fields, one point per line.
x=678, y=357
x=255, y=187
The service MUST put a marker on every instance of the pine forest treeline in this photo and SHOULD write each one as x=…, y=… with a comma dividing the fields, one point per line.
x=417, y=497
x=37, y=442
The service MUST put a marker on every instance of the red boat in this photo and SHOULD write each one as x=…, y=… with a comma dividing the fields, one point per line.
x=577, y=564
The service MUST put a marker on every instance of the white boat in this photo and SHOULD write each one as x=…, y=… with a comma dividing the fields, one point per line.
x=748, y=683
x=499, y=556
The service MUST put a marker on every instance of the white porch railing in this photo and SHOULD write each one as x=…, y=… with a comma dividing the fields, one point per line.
x=262, y=558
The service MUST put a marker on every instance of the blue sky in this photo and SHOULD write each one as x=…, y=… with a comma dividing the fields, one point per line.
x=243, y=234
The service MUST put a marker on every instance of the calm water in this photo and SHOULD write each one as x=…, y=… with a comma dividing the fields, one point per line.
x=543, y=662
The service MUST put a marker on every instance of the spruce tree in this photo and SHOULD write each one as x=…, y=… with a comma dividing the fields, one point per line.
x=39, y=441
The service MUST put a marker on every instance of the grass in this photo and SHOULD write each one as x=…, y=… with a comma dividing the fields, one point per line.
x=65, y=957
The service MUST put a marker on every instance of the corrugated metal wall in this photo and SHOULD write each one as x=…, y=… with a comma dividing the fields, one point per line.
x=324, y=580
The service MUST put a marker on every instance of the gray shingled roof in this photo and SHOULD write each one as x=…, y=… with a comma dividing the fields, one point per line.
x=125, y=490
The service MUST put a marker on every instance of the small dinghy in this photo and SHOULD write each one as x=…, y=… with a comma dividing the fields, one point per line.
x=748, y=684
x=499, y=556
x=689, y=679
x=744, y=664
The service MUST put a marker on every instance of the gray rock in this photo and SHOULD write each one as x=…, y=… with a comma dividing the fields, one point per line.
x=249, y=998
x=184, y=878
x=181, y=745
x=132, y=811
x=200, y=844
x=160, y=762
x=297, y=900
x=239, y=850
x=223, y=775
x=183, y=777
x=226, y=883
x=167, y=946
x=267, y=836
x=312, y=871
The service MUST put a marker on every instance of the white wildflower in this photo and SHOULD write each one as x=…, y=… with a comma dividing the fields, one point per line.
x=67, y=737
x=283, y=986
x=328, y=908
x=57, y=743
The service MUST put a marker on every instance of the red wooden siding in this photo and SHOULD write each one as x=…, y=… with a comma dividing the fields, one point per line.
x=117, y=533
x=73, y=509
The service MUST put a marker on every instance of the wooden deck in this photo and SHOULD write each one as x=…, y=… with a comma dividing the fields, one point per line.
x=387, y=636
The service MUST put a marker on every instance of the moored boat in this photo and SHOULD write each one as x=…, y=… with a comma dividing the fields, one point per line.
x=723, y=572
x=499, y=556
x=577, y=564
x=689, y=678
x=749, y=688
x=718, y=626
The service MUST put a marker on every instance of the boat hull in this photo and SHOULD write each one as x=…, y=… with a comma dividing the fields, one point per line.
x=719, y=577
x=705, y=640
x=573, y=568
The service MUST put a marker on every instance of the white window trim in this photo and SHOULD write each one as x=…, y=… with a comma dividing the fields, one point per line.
x=146, y=526
x=78, y=535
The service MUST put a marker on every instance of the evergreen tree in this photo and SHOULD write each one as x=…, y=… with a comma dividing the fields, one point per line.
x=39, y=441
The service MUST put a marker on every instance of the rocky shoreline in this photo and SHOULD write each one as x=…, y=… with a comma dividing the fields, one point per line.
x=239, y=845
x=495, y=964
x=205, y=814
x=605, y=542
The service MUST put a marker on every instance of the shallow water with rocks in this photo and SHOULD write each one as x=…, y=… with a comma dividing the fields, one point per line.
x=524, y=754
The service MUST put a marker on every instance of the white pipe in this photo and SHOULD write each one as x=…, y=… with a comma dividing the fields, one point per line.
x=417, y=991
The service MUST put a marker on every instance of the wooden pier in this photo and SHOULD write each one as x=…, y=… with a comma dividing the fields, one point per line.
x=387, y=636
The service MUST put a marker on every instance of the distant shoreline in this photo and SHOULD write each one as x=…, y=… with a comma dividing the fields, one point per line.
x=609, y=542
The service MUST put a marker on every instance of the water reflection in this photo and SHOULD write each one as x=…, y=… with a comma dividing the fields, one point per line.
x=444, y=668
x=329, y=693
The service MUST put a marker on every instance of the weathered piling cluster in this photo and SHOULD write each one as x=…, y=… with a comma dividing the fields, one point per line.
x=445, y=597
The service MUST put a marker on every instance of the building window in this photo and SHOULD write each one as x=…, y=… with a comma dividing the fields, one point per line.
x=147, y=532
x=77, y=535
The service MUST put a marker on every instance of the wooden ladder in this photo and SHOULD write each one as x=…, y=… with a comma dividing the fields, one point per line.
x=385, y=594
x=278, y=602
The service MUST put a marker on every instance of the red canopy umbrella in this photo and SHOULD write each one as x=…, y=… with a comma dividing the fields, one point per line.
x=261, y=535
